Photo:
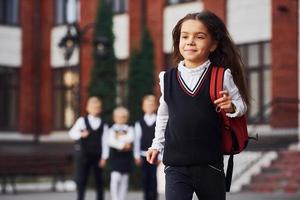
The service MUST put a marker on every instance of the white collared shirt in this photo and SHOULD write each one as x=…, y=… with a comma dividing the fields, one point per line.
x=190, y=76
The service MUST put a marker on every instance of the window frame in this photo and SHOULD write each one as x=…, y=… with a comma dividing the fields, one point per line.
x=179, y=2
x=123, y=6
x=4, y=20
x=64, y=15
x=64, y=12
x=59, y=91
x=261, y=116
x=13, y=85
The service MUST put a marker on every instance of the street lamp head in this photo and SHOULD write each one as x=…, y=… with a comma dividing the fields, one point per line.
x=73, y=38
x=69, y=42
x=101, y=46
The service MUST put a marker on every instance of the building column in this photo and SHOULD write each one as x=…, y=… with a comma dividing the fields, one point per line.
x=27, y=106
x=285, y=73
x=36, y=91
x=46, y=73
x=154, y=20
x=88, y=10
x=216, y=6
x=135, y=23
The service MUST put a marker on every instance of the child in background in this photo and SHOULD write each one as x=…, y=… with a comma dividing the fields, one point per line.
x=188, y=127
x=91, y=149
x=120, y=140
x=144, y=134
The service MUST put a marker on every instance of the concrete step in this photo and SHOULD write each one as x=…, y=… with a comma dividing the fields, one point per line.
x=283, y=175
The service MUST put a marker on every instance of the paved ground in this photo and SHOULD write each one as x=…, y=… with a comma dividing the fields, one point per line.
x=136, y=196
x=24, y=195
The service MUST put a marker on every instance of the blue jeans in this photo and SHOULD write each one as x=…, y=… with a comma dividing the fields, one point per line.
x=207, y=181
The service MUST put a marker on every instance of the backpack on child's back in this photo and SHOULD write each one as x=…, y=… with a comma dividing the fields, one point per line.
x=234, y=131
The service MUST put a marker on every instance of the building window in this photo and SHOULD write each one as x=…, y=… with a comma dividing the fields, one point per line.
x=9, y=93
x=257, y=58
x=171, y=2
x=119, y=6
x=66, y=12
x=66, y=97
x=9, y=12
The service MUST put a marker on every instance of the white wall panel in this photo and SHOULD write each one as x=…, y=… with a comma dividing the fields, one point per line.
x=57, y=58
x=172, y=14
x=121, y=32
x=249, y=20
x=10, y=46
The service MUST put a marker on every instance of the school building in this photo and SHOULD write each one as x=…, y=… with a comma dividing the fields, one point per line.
x=41, y=93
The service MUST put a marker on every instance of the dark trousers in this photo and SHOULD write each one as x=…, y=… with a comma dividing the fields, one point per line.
x=84, y=163
x=208, y=182
x=149, y=180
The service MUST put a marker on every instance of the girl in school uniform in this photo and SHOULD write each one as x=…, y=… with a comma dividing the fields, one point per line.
x=120, y=141
x=187, y=130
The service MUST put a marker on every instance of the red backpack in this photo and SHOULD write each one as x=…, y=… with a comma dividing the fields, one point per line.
x=234, y=131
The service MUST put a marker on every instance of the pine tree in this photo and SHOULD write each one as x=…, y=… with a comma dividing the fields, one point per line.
x=103, y=74
x=141, y=76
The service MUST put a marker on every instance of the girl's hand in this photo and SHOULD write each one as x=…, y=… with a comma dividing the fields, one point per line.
x=225, y=102
x=138, y=162
x=102, y=163
x=127, y=147
x=152, y=155
x=84, y=133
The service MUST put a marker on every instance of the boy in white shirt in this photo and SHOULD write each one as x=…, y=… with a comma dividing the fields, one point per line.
x=90, y=132
x=144, y=134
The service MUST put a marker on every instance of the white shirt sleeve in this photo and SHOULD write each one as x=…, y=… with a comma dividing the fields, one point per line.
x=105, y=147
x=161, y=120
x=137, y=140
x=76, y=129
x=229, y=85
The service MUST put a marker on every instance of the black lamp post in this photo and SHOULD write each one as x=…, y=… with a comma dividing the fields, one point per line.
x=72, y=40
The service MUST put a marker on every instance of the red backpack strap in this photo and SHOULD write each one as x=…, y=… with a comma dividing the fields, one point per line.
x=216, y=82
x=220, y=78
x=216, y=85
x=212, y=86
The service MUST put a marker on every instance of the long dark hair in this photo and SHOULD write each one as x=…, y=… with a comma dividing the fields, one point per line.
x=225, y=55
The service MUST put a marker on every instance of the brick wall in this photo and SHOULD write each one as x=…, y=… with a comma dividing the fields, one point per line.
x=36, y=92
x=46, y=77
x=154, y=20
x=27, y=100
x=216, y=6
x=88, y=12
x=285, y=62
x=135, y=23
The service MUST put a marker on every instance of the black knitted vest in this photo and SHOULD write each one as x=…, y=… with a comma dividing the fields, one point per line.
x=193, y=135
x=93, y=143
x=121, y=161
x=147, y=135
